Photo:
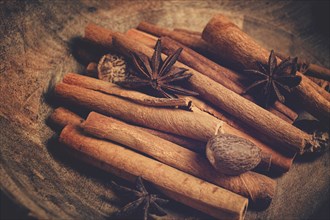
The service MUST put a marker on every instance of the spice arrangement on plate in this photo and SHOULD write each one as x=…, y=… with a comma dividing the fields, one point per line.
x=163, y=109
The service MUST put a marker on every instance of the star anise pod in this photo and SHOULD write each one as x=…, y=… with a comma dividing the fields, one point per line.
x=274, y=79
x=150, y=203
x=157, y=74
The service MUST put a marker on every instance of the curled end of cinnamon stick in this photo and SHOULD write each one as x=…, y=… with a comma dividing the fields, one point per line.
x=261, y=189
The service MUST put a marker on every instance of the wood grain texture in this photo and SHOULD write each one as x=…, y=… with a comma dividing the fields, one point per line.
x=35, y=53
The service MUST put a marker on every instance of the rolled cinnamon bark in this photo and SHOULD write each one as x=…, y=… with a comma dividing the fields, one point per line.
x=314, y=70
x=197, y=44
x=150, y=41
x=271, y=126
x=238, y=47
x=145, y=38
x=307, y=144
x=222, y=75
x=175, y=156
x=191, y=144
x=190, y=32
x=198, y=126
x=281, y=160
x=113, y=89
x=98, y=102
x=178, y=185
x=318, y=72
x=62, y=117
x=99, y=35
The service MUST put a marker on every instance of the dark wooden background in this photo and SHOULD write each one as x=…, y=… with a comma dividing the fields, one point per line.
x=35, y=39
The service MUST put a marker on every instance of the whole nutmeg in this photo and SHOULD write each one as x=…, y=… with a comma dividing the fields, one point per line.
x=232, y=155
x=112, y=68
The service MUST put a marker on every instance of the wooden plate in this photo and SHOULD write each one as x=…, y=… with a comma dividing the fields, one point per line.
x=35, y=54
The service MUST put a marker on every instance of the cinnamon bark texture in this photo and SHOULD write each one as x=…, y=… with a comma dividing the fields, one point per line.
x=196, y=193
x=318, y=72
x=197, y=44
x=175, y=156
x=99, y=35
x=140, y=36
x=62, y=117
x=222, y=75
x=237, y=47
x=199, y=126
x=271, y=126
x=253, y=115
x=113, y=89
x=189, y=32
x=196, y=125
x=281, y=160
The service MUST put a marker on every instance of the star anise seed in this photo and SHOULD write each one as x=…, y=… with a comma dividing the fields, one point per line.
x=149, y=202
x=158, y=74
x=273, y=78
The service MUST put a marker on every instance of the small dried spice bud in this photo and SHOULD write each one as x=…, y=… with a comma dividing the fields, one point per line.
x=232, y=155
x=112, y=68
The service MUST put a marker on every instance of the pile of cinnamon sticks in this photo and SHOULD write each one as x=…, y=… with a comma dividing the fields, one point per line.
x=130, y=134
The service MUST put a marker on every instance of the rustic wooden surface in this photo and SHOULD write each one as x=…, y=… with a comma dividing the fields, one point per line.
x=35, y=53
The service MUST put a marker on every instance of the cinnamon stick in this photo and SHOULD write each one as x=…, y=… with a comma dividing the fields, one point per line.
x=161, y=119
x=265, y=123
x=99, y=35
x=189, y=32
x=313, y=70
x=196, y=125
x=191, y=144
x=150, y=40
x=113, y=89
x=185, y=123
x=62, y=117
x=280, y=161
x=248, y=112
x=197, y=44
x=175, y=156
x=222, y=75
x=178, y=185
x=261, y=128
x=318, y=72
x=238, y=47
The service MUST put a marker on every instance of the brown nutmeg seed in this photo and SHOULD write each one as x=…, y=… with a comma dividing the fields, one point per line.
x=232, y=155
x=112, y=68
